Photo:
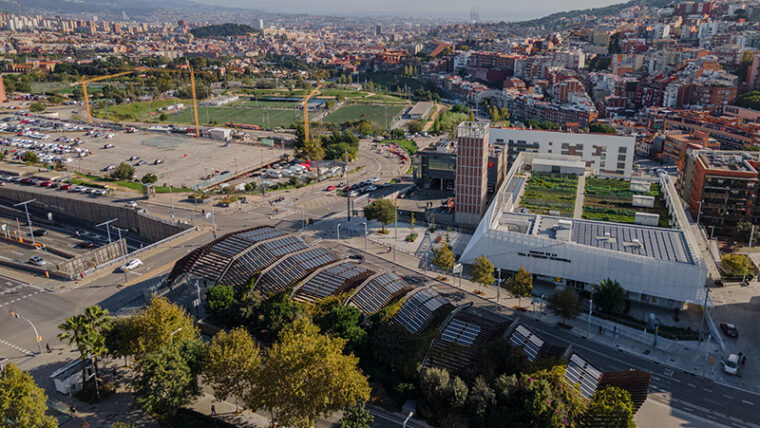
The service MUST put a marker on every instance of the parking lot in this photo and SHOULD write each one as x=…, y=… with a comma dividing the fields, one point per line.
x=182, y=160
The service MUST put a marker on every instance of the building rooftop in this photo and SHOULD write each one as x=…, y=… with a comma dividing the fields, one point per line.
x=727, y=161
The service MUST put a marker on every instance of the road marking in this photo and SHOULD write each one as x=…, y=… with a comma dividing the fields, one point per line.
x=16, y=347
x=10, y=290
x=748, y=402
x=727, y=396
x=707, y=390
x=20, y=298
x=691, y=385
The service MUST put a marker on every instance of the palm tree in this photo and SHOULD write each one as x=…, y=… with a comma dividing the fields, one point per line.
x=85, y=332
x=99, y=319
x=75, y=330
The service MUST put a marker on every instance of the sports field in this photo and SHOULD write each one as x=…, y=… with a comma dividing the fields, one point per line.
x=139, y=111
x=264, y=118
x=369, y=112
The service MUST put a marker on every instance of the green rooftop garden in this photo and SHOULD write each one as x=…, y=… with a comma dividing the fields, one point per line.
x=550, y=192
x=612, y=200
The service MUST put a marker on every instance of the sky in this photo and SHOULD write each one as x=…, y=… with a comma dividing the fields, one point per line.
x=490, y=10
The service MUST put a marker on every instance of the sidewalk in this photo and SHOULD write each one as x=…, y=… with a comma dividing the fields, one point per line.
x=689, y=356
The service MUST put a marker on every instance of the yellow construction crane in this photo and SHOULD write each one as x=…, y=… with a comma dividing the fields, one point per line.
x=142, y=70
x=305, y=104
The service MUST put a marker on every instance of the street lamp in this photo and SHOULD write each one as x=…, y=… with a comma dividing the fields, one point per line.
x=171, y=339
x=37, y=337
x=699, y=211
x=28, y=219
x=409, y=416
x=365, y=235
x=338, y=230
x=108, y=227
x=590, y=306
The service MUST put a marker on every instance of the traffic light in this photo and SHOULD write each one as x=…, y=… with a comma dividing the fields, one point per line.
x=14, y=315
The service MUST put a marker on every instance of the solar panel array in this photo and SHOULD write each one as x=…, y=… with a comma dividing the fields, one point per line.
x=378, y=292
x=460, y=332
x=580, y=372
x=259, y=257
x=293, y=268
x=418, y=311
x=531, y=344
x=332, y=280
x=237, y=243
x=660, y=244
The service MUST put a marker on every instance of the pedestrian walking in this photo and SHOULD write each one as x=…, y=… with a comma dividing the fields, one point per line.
x=213, y=410
x=47, y=347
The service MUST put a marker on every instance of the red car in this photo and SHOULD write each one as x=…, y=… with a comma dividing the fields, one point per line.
x=330, y=188
x=27, y=181
x=65, y=187
x=46, y=184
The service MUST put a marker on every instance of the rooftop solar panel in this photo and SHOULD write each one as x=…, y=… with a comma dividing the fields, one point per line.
x=291, y=269
x=460, y=332
x=378, y=292
x=418, y=310
x=531, y=344
x=331, y=279
x=580, y=372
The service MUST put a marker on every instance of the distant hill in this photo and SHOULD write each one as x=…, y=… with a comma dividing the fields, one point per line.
x=556, y=19
x=101, y=8
x=222, y=30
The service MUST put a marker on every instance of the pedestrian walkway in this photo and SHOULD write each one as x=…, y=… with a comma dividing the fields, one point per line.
x=579, y=192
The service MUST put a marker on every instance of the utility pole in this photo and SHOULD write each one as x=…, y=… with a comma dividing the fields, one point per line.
x=348, y=195
x=699, y=212
x=749, y=247
x=37, y=337
x=171, y=196
x=123, y=254
x=498, y=286
x=590, y=307
x=365, y=235
x=704, y=307
x=28, y=219
x=395, y=222
x=337, y=228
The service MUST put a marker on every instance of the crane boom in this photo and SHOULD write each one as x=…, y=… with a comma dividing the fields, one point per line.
x=195, y=102
x=84, y=83
x=305, y=104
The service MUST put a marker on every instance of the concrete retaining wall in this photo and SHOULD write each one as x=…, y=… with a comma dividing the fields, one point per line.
x=94, y=257
x=83, y=211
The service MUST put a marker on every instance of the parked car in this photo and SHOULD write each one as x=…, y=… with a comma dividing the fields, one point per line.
x=38, y=232
x=132, y=264
x=358, y=257
x=37, y=260
x=133, y=158
x=109, y=167
x=731, y=364
x=65, y=187
x=108, y=146
x=86, y=244
x=375, y=179
x=141, y=162
x=729, y=329
x=130, y=204
x=46, y=184
x=158, y=162
x=330, y=188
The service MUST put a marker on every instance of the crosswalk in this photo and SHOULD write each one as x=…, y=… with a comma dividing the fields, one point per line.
x=16, y=347
x=20, y=298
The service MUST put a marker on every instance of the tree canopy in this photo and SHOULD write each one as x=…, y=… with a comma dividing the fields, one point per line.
x=381, y=210
x=602, y=128
x=564, y=304
x=610, y=407
x=610, y=296
x=222, y=30
x=164, y=382
x=482, y=271
x=124, y=171
x=232, y=364
x=521, y=284
x=22, y=402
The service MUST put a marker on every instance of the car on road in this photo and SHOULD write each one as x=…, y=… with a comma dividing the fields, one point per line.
x=358, y=257
x=158, y=162
x=729, y=329
x=133, y=158
x=86, y=244
x=132, y=264
x=375, y=179
x=65, y=187
x=38, y=232
x=46, y=184
x=731, y=364
x=27, y=181
x=109, y=167
x=37, y=260
x=330, y=188
x=130, y=204
x=353, y=193
x=141, y=162
x=370, y=188
x=108, y=146
x=100, y=192
x=79, y=189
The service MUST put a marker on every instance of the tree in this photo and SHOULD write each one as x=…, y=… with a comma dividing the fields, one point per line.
x=124, y=171
x=121, y=337
x=22, y=402
x=305, y=375
x=443, y=257
x=31, y=157
x=381, y=210
x=356, y=417
x=602, y=128
x=481, y=398
x=482, y=271
x=736, y=265
x=164, y=381
x=78, y=330
x=744, y=230
x=610, y=296
x=37, y=107
x=160, y=324
x=610, y=407
x=312, y=150
x=414, y=127
x=520, y=285
x=149, y=178
x=471, y=116
x=219, y=301
x=345, y=322
x=564, y=304
x=232, y=364
x=441, y=392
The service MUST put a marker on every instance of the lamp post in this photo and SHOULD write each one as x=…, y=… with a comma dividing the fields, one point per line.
x=590, y=306
x=171, y=339
x=337, y=228
x=37, y=337
x=498, y=285
x=409, y=416
x=107, y=224
x=699, y=211
x=395, y=222
x=28, y=219
x=365, y=235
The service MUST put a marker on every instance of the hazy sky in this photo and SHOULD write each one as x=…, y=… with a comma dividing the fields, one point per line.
x=506, y=10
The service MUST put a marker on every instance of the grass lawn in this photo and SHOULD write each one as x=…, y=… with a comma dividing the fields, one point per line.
x=550, y=192
x=251, y=116
x=369, y=112
x=138, y=111
x=408, y=145
x=612, y=200
x=266, y=104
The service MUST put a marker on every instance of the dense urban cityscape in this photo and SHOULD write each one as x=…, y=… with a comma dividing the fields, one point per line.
x=217, y=216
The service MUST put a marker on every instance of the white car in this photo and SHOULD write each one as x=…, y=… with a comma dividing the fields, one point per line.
x=731, y=364
x=37, y=260
x=130, y=204
x=132, y=264
x=375, y=179
x=79, y=189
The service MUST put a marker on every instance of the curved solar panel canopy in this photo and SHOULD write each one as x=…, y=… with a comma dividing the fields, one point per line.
x=259, y=257
x=289, y=270
x=421, y=309
x=331, y=280
x=378, y=291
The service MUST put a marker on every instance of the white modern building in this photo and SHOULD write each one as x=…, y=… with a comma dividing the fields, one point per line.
x=607, y=155
x=656, y=265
